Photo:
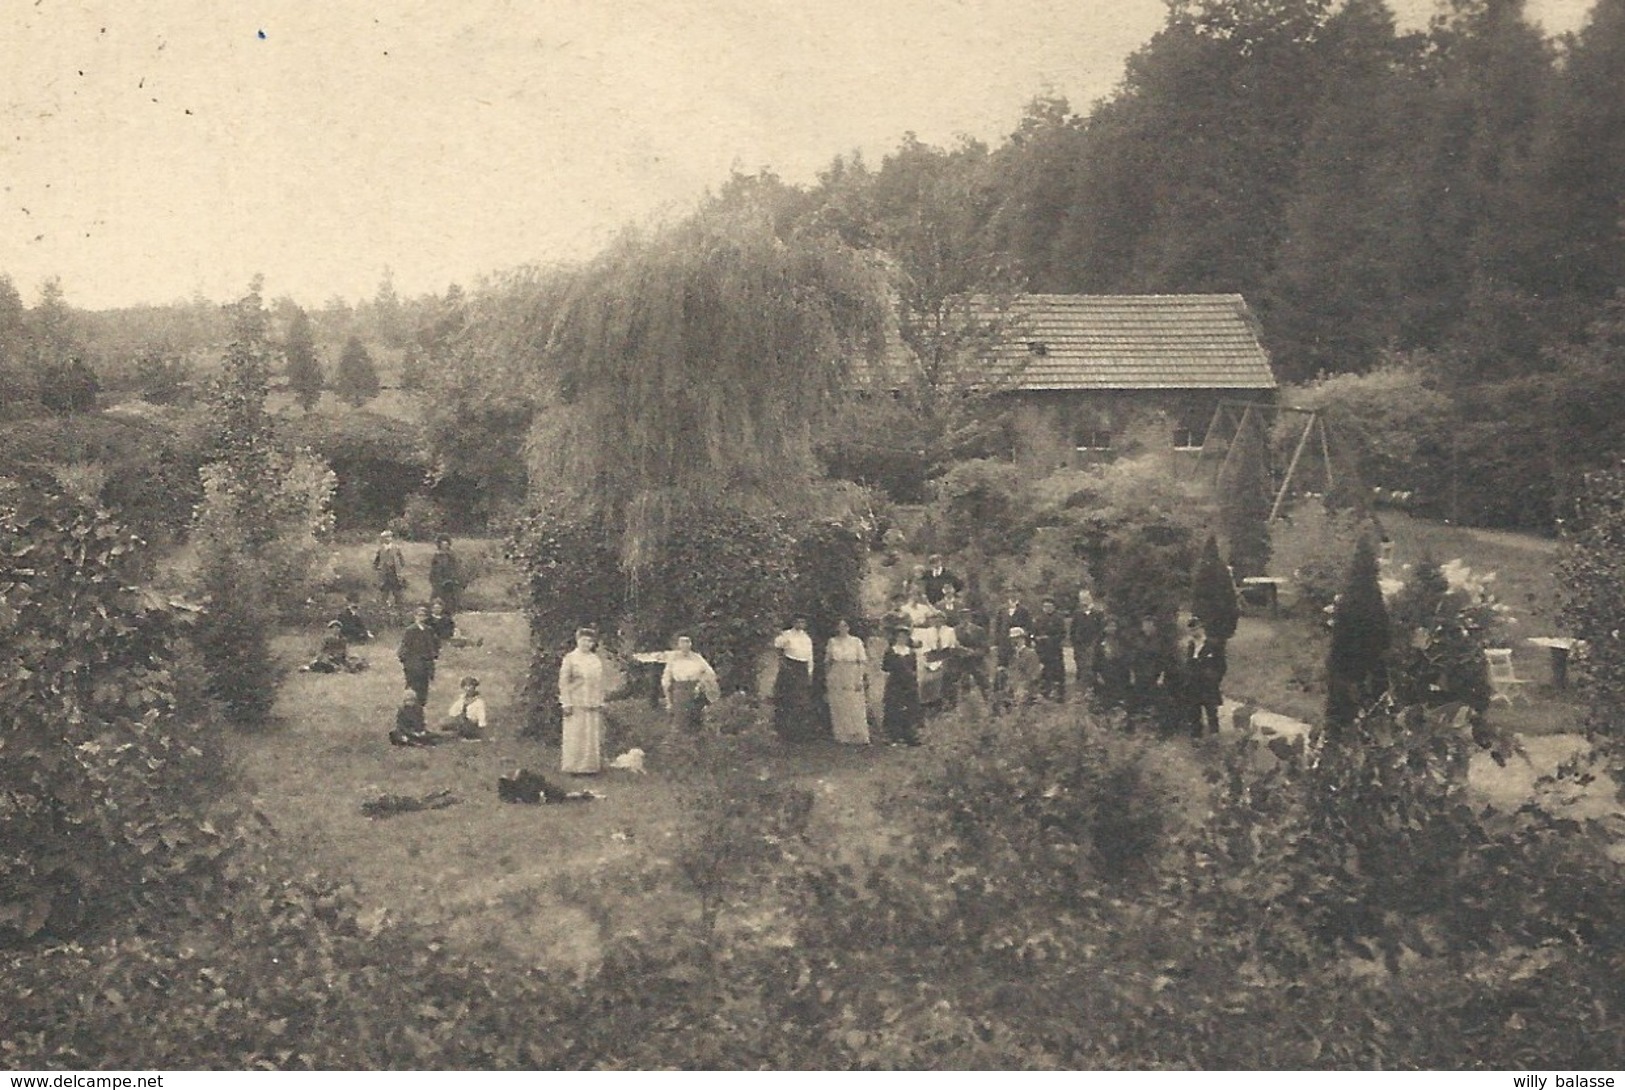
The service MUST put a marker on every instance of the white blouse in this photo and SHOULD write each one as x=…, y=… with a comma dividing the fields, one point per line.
x=796, y=645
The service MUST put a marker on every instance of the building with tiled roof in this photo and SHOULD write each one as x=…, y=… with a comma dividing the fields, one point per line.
x=1135, y=342
x=1082, y=368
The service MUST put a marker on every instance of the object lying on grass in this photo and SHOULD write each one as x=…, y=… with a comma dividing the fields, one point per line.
x=532, y=787
x=630, y=761
x=389, y=805
x=399, y=737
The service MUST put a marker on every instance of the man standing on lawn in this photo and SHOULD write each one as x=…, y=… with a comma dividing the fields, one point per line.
x=1205, y=666
x=419, y=648
x=390, y=564
x=446, y=575
x=1049, y=638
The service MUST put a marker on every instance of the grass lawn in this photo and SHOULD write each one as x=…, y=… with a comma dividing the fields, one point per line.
x=1280, y=661
x=548, y=884
x=544, y=884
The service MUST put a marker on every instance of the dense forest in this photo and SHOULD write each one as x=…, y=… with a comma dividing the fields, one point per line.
x=1427, y=223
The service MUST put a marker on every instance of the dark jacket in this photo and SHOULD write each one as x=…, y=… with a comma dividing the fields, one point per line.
x=351, y=625
x=935, y=583
x=1003, y=622
x=1049, y=636
x=1204, y=671
x=419, y=646
x=1088, y=628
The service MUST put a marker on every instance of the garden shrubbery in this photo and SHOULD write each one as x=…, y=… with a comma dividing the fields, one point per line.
x=1054, y=895
x=107, y=774
x=1591, y=575
x=380, y=465
x=146, y=472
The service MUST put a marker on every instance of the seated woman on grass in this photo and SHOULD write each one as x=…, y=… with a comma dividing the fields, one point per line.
x=352, y=626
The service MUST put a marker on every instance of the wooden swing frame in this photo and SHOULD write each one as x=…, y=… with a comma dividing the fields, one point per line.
x=1314, y=425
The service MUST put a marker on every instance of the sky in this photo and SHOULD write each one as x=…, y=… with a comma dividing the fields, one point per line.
x=156, y=149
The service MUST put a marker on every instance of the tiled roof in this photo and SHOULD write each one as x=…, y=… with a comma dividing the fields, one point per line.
x=1135, y=342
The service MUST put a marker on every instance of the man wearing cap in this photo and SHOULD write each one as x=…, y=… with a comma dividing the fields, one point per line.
x=390, y=564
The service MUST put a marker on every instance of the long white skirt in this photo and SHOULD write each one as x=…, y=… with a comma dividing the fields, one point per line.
x=583, y=741
x=848, y=706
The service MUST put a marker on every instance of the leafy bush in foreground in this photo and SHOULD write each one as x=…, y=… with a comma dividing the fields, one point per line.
x=105, y=777
x=1039, y=902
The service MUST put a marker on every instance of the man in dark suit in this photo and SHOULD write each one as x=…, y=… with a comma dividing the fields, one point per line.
x=937, y=579
x=1013, y=615
x=418, y=651
x=1049, y=640
x=1087, y=629
x=1204, y=672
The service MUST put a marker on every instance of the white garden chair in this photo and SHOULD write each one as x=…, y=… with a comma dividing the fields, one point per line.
x=1505, y=684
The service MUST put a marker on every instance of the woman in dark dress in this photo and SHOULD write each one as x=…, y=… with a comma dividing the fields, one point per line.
x=795, y=717
x=900, y=704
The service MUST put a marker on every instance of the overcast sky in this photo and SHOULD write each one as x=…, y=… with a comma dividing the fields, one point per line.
x=156, y=148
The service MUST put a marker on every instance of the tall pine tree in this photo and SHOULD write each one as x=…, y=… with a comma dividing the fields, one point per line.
x=357, y=379
x=304, y=370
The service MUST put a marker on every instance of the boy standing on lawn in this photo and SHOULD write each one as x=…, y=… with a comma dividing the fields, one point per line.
x=390, y=564
x=419, y=648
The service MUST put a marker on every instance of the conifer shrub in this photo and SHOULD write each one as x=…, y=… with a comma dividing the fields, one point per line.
x=1213, y=594
x=1356, y=670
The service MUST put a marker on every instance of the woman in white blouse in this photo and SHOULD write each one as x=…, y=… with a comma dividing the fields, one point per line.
x=794, y=717
x=686, y=677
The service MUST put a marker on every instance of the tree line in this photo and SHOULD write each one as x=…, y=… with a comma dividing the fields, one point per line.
x=1425, y=216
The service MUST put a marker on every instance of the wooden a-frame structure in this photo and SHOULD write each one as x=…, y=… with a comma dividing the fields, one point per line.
x=1229, y=420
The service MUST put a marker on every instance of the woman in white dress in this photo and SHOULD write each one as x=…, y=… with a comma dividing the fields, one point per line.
x=846, y=685
x=581, y=694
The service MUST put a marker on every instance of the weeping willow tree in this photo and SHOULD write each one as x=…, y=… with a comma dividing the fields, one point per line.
x=676, y=383
x=691, y=364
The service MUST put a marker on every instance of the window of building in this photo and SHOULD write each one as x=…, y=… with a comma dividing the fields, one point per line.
x=1038, y=348
x=1086, y=437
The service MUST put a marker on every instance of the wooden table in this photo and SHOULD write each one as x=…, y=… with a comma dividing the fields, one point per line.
x=1271, y=586
x=1560, y=647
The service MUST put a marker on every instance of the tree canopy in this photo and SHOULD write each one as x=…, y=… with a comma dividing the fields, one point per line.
x=692, y=363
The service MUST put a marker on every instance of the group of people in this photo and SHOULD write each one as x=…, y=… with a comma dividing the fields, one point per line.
x=446, y=581
x=937, y=647
x=1017, y=656
x=432, y=628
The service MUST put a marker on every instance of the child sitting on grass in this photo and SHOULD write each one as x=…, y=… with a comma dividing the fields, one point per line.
x=334, y=656
x=409, y=729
